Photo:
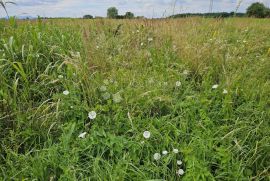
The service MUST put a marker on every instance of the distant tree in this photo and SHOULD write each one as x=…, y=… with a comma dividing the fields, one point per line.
x=88, y=16
x=257, y=10
x=112, y=12
x=129, y=15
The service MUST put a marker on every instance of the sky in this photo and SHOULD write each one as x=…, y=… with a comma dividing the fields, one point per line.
x=147, y=8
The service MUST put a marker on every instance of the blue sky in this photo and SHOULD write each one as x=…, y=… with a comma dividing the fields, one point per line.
x=148, y=8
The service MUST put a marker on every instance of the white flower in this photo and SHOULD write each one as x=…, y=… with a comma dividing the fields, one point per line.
x=157, y=156
x=165, y=152
x=117, y=98
x=92, y=115
x=215, y=86
x=175, y=150
x=71, y=107
x=185, y=72
x=180, y=172
x=106, y=96
x=165, y=83
x=60, y=76
x=178, y=84
x=103, y=88
x=97, y=47
x=142, y=44
x=179, y=162
x=146, y=134
x=82, y=135
x=150, y=39
x=138, y=31
x=66, y=92
x=225, y=91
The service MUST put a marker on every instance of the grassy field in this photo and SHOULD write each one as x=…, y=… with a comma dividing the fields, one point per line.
x=185, y=99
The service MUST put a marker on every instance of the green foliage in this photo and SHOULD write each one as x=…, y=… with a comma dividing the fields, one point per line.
x=112, y=12
x=257, y=10
x=137, y=78
x=87, y=17
x=129, y=15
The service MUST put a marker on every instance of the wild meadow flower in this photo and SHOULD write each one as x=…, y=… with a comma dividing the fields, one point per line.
x=157, y=156
x=175, y=150
x=215, y=86
x=66, y=92
x=146, y=134
x=185, y=72
x=178, y=84
x=138, y=31
x=82, y=135
x=165, y=83
x=180, y=172
x=117, y=98
x=225, y=91
x=103, y=88
x=179, y=162
x=106, y=96
x=106, y=82
x=92, y=115
x=150, y=39
x=142, y=44
x=60, y=76
x=164, y=152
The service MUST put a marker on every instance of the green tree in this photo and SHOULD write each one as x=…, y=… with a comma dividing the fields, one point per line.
x=129, y=15
x=257, y=10
x=88, y=16
x=112, y=12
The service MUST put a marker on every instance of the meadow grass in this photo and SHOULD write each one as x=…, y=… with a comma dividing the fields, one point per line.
x=199, y=86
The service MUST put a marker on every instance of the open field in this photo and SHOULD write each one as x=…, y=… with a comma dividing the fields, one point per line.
x=201, y=87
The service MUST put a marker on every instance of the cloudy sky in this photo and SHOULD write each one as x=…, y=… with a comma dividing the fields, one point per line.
x=148, y=8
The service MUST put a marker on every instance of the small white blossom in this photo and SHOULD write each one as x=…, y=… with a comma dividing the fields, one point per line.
x=175, y=150
x=142, y=44
x=185, y=72
x=165, y=152
x=92, y=115
x=106, y=96
x=225, y=91
x=179, y=162
x=157, y=156
x=138, y=31
x=60, y=76
x=66, y=92
x=103, y=88
x=82, y=135
x=215, y=86
x=150, y=39
x=146, y=134
x=178, y=84
x=180, y=172
x=117, y=98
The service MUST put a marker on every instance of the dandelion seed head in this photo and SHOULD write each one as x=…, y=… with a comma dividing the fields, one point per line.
x=103, y=88
x=60, y=76
x=215, y=86
x=175, y=150
x=180, y=172
x=225, y=91
x=146, y=134
x=106, y=96
x=179, y=162
x=157, y=156
x=178, y=84
x=92, y=115
x=164, y=152
x=117, y=98
x=66, y=92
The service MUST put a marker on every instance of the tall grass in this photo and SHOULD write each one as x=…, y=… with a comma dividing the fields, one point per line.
x=128, y=72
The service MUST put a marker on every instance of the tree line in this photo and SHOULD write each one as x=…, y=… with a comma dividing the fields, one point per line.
x=257, y=10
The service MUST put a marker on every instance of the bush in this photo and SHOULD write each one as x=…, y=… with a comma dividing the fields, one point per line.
x=88, y=17
x=112, y=12
x=257, y=10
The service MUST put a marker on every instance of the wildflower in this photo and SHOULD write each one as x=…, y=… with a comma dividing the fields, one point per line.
x=138, y=31
x=165, y=152
x=142, y=44
x=60, y=76
x=103, y=88
x=175, y=150
x=71, y=107
x=92, y=115
x=185, y=72
x=180, y=172
x=97, y=47
x=106, y=95
x=82, y=135
x=66, y=92
x=146, y=134
x=150, y=39
x=178, y=84
x=106, y=82
x=225, y=91
x=165, y=83
x=215, y=86
x=157, y=156
x=179, y=162
x=117, y=98
x=244, y=41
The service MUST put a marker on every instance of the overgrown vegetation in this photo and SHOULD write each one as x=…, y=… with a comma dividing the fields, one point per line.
x=196, y=88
